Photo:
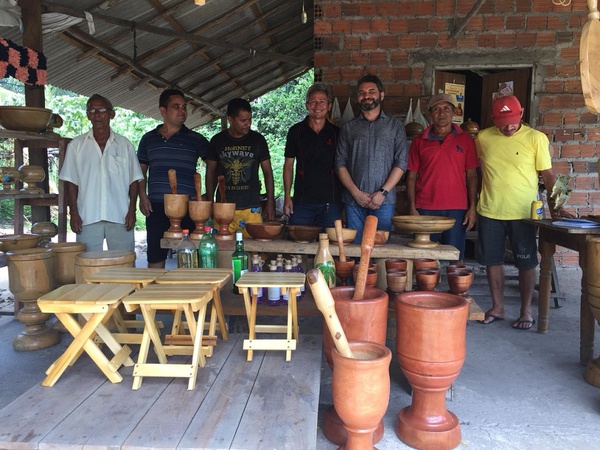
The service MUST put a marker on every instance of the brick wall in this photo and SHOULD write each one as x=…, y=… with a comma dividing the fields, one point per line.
x=403, y=41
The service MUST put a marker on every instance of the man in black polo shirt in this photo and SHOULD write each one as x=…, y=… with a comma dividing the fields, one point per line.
x=312, y=143
x=171, y=145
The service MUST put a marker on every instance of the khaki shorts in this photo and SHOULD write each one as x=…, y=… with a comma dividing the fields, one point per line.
x=241, y=217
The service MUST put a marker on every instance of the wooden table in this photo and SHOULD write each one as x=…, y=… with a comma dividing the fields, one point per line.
x=575, y=239
x=249, y=284
x=95, y=303
x=216, y=278
x=177, y=298
x=138, y=277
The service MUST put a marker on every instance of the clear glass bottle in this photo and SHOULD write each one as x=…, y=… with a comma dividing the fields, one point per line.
x=187, y=255
x=239, y=260
x=273, y=293
x=324, y=260
x=208, y=250
x=257, y=264
x=287, y=269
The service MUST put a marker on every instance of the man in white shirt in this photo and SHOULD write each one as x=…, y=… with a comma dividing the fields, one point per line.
x=101, y=172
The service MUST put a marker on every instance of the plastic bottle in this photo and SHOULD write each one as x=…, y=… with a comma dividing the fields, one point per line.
x=239, y=260
x=257, y=264
x=300, y=269
x=273, y=293
x=208, y=250
x=187, y=255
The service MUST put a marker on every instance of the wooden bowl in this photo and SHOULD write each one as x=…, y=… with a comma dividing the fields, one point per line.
x=303, y=233
x=25, y=118
x=348, y=235
x=10, y=242
x=266, y=231
x=381, y=237
x=422, y=227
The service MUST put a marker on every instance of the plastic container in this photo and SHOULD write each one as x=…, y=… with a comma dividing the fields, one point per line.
x=208, y=250
x=187, y=255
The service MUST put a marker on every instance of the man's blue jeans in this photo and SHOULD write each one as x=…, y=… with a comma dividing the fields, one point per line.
x=356, y=215
x=316, y=214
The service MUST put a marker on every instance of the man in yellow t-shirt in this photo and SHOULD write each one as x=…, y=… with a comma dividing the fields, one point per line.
x=511, y=154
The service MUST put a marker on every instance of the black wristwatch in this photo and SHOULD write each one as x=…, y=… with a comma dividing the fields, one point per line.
x=383, y=192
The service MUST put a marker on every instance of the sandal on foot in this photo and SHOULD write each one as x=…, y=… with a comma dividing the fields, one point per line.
x=523, y=324
x=490, y=316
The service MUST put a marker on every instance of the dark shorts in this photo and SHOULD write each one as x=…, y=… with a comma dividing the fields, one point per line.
x=491, y=240
x=156, y=225
x=456, y=235
x=321, y=215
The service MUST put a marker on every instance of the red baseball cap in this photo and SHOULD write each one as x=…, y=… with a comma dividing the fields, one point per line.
x=506, y=111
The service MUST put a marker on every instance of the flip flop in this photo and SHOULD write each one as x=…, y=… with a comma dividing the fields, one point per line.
x=494, y=319
x=516, y=325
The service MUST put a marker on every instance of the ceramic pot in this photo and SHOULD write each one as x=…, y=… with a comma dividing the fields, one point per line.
x=32, y=175
x=31, y=275
x=200, y=212
x=460, y=281
x=224, y=213
x=431, y=348
x=175, y=208
x=361, y=391
x=427, y=279
x=343, y=270
x=396, y=263
x=364, y=320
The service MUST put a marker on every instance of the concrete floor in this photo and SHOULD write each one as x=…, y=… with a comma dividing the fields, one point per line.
x=517, y=389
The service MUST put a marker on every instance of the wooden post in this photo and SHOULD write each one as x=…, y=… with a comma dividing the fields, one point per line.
x=31, y=15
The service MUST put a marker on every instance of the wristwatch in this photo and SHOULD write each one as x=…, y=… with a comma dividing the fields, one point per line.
x=383, y=192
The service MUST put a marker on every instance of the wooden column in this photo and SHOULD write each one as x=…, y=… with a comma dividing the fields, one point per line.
x=31, y=15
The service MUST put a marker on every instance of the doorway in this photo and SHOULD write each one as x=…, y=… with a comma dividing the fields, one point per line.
x=482, y=84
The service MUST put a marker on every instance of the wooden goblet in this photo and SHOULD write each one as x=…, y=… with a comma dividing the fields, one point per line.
x=343, y=269
x=224, y=213
x=175, y=209
x=200, y=212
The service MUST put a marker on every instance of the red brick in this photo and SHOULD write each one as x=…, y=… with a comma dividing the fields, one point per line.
x=351, y=43
x=342, y=59
x=464, y=6
x=427, y=40
x=526, y=39
x=580, y=167
x=563, y=135
x=545, y=39
x=536, y=23
x=569, y=54
x=407, y=41
x=367, y=9
x=349, y=9
x=551, y=118
x=469, y=41
x=398, y=58
x=506, y=40
x=501, y=7
x=567, y=70
x=475, y=24
x=331, y=75
x=393, y=90
x=561, y=167
x=571, y=118
x=423, y=8
x=321, y=59
x=585, y=183
x=390, y=41
x=570, y=151
x=438, y=25
x=418, y=72
x=594, y=198
x=404, y=73
x=541, y=6
x=331, y=10
x=369, y=43
x=398, y=25
x=348, y=74
x=387, y=9
x=331, y=43
x=563, y=101
x=322, y=27
x=378, y=58
x=360, y=26
x=341, y=26
x=515, y=23
x=494, y=23
x=557, y=23
x=579, y=134
x=555, y=86
x=413, y=89
x=523, y=7
x=578, y=198
x=587, y=117
x=360, y=59
x=444, y=7
x=380, y=26
x=569, y=259
x=588, y=150
x=340, y=91
x=417, y=26
x=487, y=40
x=593, y=134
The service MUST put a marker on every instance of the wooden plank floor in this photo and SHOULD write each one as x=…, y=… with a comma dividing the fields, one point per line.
x=263, y=404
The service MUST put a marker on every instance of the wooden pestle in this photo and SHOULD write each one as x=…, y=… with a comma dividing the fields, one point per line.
x=173, y=181
x=221, y=181
x=326, y=305
x=198, y=184
x=339, y=235
x=366, y=247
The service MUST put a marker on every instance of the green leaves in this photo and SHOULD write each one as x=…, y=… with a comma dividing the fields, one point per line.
x=328, y=271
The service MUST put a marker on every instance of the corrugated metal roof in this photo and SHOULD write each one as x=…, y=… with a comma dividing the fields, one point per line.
x=215, y=52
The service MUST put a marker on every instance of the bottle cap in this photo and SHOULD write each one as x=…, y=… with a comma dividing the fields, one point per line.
x=185, y=231
x=207, y=228
x=239, y=236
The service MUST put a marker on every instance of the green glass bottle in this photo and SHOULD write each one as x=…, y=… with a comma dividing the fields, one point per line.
x=239, y=260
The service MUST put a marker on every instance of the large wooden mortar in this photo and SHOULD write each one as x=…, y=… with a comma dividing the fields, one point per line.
x=31, y=275
x=89, y=263
x=64, y=265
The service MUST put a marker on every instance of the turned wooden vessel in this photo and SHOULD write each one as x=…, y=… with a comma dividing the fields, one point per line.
x=396, y=263
x=361, y=320
x=31, y=275
x=343, y=270
x=224, y=213
x=459, y=281
x=200, y=212
x=45, y=230
x=431, y=348
x=64, y=264
x=32, y=175
x=175, y=209
x=10, y=177
x=396, y=281
x=361, y=391
x=427, y=279
x=88, y=263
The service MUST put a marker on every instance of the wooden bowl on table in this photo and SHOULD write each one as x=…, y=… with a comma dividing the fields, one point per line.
x=422, y=227
x=381, y=237
x=266, y=231
x=348, y=235
x=303, y=233
x=25, y=118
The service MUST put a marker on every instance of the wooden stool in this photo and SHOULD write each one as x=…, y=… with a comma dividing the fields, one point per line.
x=216, y=278
x=177, y=298
x=138, y=278
x=96, y=303
x=250, y=283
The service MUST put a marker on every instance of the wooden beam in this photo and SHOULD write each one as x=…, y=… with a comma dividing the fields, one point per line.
x=189, y=37
x=458, y=28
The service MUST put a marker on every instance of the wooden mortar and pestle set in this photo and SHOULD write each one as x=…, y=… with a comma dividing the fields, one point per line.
x=200, y=211
x=224, y=212
x=175, y=208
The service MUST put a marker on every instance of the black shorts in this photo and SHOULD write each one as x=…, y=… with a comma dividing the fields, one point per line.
x=156, y=225
x=491, y=239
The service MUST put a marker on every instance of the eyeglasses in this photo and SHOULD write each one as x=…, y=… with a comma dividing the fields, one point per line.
x=97, y=110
